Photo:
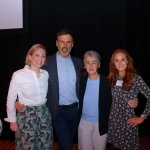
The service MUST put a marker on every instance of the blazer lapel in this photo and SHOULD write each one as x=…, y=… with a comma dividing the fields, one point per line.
x=76, y=67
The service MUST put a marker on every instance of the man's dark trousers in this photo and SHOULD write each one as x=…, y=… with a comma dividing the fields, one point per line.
x=65, y=126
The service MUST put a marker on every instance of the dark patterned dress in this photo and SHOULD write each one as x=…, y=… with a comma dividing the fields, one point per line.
x=119, y=133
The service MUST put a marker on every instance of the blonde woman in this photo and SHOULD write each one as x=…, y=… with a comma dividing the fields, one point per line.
x=33, y=123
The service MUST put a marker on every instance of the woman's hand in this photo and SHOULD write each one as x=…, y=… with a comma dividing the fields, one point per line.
x=135, y=121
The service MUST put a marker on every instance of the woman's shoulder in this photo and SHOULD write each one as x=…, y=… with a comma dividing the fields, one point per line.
x=137, y=77
x=83, y=80
x=104, y=81
x=103, y=77
x=83, y=77
x=18, y=72
x=44, y=72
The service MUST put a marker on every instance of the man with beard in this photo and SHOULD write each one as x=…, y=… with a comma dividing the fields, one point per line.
x=63, y=90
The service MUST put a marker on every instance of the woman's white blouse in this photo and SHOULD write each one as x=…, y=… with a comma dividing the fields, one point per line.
x=28, y=89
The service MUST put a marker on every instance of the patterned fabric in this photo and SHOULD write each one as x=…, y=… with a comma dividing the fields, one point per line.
x=119, y=133
x=35, y=129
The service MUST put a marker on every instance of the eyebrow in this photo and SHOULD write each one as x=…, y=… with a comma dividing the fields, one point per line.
x=92, y=61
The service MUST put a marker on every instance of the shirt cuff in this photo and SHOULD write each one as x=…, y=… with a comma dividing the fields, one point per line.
x=144, y=116
x=10, y=120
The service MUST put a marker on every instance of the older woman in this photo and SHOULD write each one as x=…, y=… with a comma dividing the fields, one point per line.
x=94, y=106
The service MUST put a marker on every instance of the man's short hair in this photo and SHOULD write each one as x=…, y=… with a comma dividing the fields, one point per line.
x=64, y=32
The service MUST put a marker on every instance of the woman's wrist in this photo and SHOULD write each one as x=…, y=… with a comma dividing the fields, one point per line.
x=144, y=116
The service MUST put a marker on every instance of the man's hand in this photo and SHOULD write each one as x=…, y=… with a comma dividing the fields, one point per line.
x=19, y=106
x=135, y=121
x=14, y=127
x=133, y=103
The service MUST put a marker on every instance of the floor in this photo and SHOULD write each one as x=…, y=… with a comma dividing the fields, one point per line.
x=144, y=141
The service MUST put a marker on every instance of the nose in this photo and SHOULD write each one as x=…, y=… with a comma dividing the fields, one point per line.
x=65, y=44
x=120, y=62
x=90, y=64
x=41, y=58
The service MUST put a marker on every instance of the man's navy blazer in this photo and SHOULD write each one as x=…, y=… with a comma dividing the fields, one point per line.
x=53, y=85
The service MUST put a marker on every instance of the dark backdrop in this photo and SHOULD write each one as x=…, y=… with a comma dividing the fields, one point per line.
x=101, y=25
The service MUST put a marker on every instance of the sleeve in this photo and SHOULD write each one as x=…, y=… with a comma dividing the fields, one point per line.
x=11, y=99
x=145, y=90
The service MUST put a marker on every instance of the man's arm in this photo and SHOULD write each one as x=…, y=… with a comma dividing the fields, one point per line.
x=19, y=106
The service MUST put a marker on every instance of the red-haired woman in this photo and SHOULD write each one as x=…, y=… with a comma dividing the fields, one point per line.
x=125, y=84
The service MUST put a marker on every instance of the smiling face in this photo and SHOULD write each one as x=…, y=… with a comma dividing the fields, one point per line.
x=64, y=44
x=91, y=65
x=120, y=62
x=38, y=58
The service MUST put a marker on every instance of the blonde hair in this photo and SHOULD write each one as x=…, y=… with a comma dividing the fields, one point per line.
x=31, y=51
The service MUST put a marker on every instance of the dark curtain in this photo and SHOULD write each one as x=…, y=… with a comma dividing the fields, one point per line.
x=102, y=25
x=138, y=37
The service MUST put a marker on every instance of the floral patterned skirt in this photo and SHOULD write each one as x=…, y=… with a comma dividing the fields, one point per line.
x=34, y=129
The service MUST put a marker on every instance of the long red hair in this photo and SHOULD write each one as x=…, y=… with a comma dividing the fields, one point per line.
x=129, y=72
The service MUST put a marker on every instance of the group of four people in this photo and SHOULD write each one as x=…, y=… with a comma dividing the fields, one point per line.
x=64, y=96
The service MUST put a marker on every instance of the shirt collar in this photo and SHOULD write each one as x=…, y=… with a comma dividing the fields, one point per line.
x=27, y=70
x=62, y=58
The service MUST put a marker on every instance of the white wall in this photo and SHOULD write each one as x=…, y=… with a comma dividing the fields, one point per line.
x=11, y=14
